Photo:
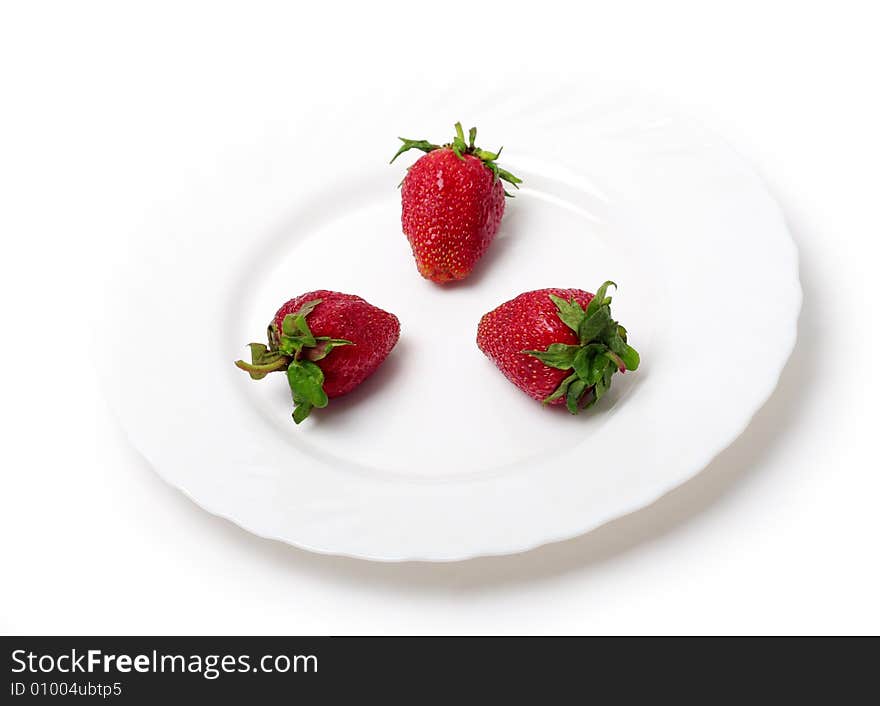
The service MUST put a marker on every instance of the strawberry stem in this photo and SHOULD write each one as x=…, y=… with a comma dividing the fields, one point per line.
x=260, y=371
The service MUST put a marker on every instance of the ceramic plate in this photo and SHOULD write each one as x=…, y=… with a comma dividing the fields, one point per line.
x=437, y=457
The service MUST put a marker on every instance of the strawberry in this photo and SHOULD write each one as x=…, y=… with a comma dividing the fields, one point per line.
x=558, y=345
x=453, y=201
x=327, y=342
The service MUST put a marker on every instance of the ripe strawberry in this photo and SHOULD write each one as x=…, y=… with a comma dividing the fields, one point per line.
x=558, y=345
x=328, y=343
x=453, y=201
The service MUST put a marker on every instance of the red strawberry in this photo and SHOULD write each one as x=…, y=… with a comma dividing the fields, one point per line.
x=453, y=201
x=558, y=345
x=328, y=343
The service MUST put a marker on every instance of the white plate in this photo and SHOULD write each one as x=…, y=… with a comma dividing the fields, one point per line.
x=437, y=457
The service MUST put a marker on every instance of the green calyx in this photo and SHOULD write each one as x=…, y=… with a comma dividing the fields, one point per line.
x=295, y=349
x=462, y=148
x=602, y=350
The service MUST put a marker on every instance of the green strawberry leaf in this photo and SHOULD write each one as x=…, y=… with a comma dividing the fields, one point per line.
x=599, y=299
x=616, y=360
x=557, y=355
x=599, y=391
x=508, y=177
x=594, y=324
x=290, y=345
x=295, y=331
x=260, y=355
x=306, y=381
x=309, y=307
x=584, y=360
x=288, y=325
x=626, y=352
x=573, y=395
x=610, y=369
x=295, y=325
x=459, y=146
x=631, y=358
x=324, y=346
x=408, y=144
x=581, y=363
x=603, y=350
x=259, y=351
x=598, y=366
x=462, y=148
x=569, y=312
x=301, y=411
x=561, y=390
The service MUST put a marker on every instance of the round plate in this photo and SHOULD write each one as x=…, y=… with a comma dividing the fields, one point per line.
x=437, y=457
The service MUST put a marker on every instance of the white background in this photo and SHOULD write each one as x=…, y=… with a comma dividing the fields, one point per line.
x=109, y=107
